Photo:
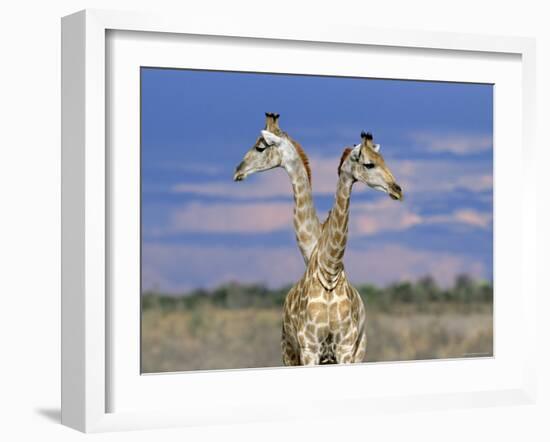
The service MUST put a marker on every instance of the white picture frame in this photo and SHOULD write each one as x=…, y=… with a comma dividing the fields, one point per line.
x=87, y=319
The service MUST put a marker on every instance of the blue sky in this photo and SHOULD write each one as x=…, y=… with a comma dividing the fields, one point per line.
x=201, y=229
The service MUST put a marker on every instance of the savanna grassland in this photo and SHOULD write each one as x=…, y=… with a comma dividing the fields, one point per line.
x=239, y=326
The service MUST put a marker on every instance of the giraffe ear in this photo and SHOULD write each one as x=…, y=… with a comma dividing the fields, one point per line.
x=270, y=138
x=355, y=153
x=376, y=147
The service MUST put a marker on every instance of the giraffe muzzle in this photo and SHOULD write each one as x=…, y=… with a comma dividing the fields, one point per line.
x=395, y=192
x=239, y=174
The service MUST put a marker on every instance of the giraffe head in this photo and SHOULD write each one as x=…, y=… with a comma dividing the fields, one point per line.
x=365, y=163
x=273, y=148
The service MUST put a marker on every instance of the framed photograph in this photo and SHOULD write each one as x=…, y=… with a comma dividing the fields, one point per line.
x=266, y=223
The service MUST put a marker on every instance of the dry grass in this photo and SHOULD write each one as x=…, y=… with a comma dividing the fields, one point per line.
x=216, y=338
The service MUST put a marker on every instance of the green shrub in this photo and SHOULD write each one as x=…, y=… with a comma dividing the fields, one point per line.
x=422, y=292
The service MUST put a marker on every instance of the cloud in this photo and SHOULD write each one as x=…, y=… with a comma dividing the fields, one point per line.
x=187, y=167
x=473, y=217
x=393, y=262
x=366, y=218
x=176, y=268
x=272, y=184
x=456, y=143
x=232, y=218
x=415, y=176
x=442, y=176
x=385, y=215
x=249, y=207
x=468, y=217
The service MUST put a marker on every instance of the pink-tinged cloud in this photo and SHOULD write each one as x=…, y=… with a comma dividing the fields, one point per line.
x=378, y=216
x=441, y=176
x=459, y=144
x=393, y=262
x=385, y=215
x=469, y=217
x=382, y=215
x=415, y=176
x=473, y=218
x=269, y=184
x=232, y=218
x=177, y=268
x=174, y=268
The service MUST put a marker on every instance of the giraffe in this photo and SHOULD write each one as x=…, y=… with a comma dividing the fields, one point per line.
x=324, y=317
x=274, y=148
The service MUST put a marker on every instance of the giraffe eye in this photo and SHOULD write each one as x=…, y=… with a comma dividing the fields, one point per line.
x=261, y=147
x=369, y=165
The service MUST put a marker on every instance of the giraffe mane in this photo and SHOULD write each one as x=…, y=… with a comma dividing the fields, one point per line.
x=302, y=154
x=272, y=125
x=345, y=155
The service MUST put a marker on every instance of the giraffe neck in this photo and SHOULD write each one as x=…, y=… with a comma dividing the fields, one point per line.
x=306, y=224
x=333, y=240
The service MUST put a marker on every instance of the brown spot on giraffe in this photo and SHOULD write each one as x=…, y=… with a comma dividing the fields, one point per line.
x=300, y=217
x=344, y=308
x=333, y=313
x=317, y=311
x=304, y=236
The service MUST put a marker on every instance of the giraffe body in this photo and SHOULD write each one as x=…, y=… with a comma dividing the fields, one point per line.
x=324, y=319
x=323, y=326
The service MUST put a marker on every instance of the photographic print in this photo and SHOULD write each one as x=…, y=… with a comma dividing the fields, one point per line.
x=308, y=220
